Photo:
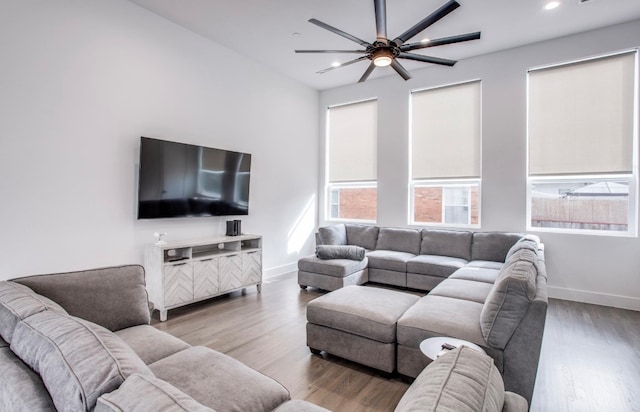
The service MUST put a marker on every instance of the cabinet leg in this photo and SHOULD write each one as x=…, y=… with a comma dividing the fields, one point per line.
x=259, y=287
x=163, y=316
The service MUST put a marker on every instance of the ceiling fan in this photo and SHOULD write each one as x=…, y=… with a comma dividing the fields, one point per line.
x=385, y=52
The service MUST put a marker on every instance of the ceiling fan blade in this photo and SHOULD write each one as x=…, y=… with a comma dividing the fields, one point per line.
x=381, y=19
x=343, y=64
x=366, y=74
x=400, y=69
x=427, y=21
x=427, y=59
x=441, y=42
x=340, y=32
x=330, y=51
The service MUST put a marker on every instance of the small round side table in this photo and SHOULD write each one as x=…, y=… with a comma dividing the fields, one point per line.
x=432, y=347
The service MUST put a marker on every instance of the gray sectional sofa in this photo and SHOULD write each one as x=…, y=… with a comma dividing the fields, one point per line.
x=486, y=288
x=82, y=341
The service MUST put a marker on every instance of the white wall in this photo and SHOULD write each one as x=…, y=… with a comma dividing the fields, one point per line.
x=81, y=81
x=596, y=269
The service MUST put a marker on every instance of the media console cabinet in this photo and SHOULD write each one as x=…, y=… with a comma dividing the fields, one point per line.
x=179, y=273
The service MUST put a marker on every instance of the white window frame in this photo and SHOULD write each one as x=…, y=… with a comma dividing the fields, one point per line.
x=351, y=185
x=632, y=179
x=449, y=183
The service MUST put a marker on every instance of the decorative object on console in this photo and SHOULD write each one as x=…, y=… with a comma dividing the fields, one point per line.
x=385, y=52
x=234, y=227
x=159, y=236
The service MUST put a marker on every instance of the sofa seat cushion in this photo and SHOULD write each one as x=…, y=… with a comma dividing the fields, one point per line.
x=21, y=389
x=334, y=267
x=485, y=264
x=389, y=260
x=299, y=406
x=461, y=380
x=362, y=235
x=139, y=338
x=440, y=316
x=77, y=360
x=435, y=265
x=493, y=246
x=509, y=298
x=399, y=240
x=463, y=289
x=220, y=382
x=361, y=310
x=148, y=393
x=454, y=243
x=476, y=274
x=18, y=302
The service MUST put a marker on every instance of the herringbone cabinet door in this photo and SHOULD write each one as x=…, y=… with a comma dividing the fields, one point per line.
x=178, y=284
x=230, y=272
x=205, y=278
x=252, y=268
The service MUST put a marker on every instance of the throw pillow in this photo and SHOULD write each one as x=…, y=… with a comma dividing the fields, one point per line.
x=340, y=252
x=77, y=360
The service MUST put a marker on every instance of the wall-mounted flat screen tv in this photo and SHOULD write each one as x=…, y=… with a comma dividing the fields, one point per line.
x=183, y=180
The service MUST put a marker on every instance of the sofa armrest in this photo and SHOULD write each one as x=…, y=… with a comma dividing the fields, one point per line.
x=113, y=297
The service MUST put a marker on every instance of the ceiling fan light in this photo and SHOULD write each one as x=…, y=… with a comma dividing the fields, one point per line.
x=382, y=61
x=382, y=57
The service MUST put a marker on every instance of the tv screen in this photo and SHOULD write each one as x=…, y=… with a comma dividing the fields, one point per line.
x=183, y=180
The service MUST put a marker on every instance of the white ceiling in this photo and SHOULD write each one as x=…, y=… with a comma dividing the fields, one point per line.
x=263, y=30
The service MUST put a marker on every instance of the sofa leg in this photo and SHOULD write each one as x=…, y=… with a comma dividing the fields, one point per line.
x=314, y=351
x=303, y=287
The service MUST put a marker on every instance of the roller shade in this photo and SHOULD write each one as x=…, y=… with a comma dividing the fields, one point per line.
x=445, y=132
x=353, y=131
x=581, y=117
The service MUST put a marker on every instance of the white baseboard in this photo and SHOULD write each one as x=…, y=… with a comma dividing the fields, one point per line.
x=603, y=299
x=280, y=270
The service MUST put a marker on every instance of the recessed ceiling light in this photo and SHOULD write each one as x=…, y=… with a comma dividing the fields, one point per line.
x=336, y=64
x=551, y=5
x=295, y=34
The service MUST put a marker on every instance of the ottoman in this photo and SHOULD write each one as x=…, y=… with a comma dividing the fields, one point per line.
x=358, y=323
x=331, y=274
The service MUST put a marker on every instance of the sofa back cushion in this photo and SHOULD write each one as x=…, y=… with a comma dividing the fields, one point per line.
x=77, y=360
x=509, y=298
x=362, y=235
x=158, y=396
x=526, y=242
x=18, y=302
x=21, y=388
x=492, y=246
x=113, y=297
x=454, y=243
x=399, y=240
x=332, y=235
x=461, y=380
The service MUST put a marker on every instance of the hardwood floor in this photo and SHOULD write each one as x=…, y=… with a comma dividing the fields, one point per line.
x=590, y=359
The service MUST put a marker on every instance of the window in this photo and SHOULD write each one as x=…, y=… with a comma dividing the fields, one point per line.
x=351, y=161
x=445, y=155
x=581, y=140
